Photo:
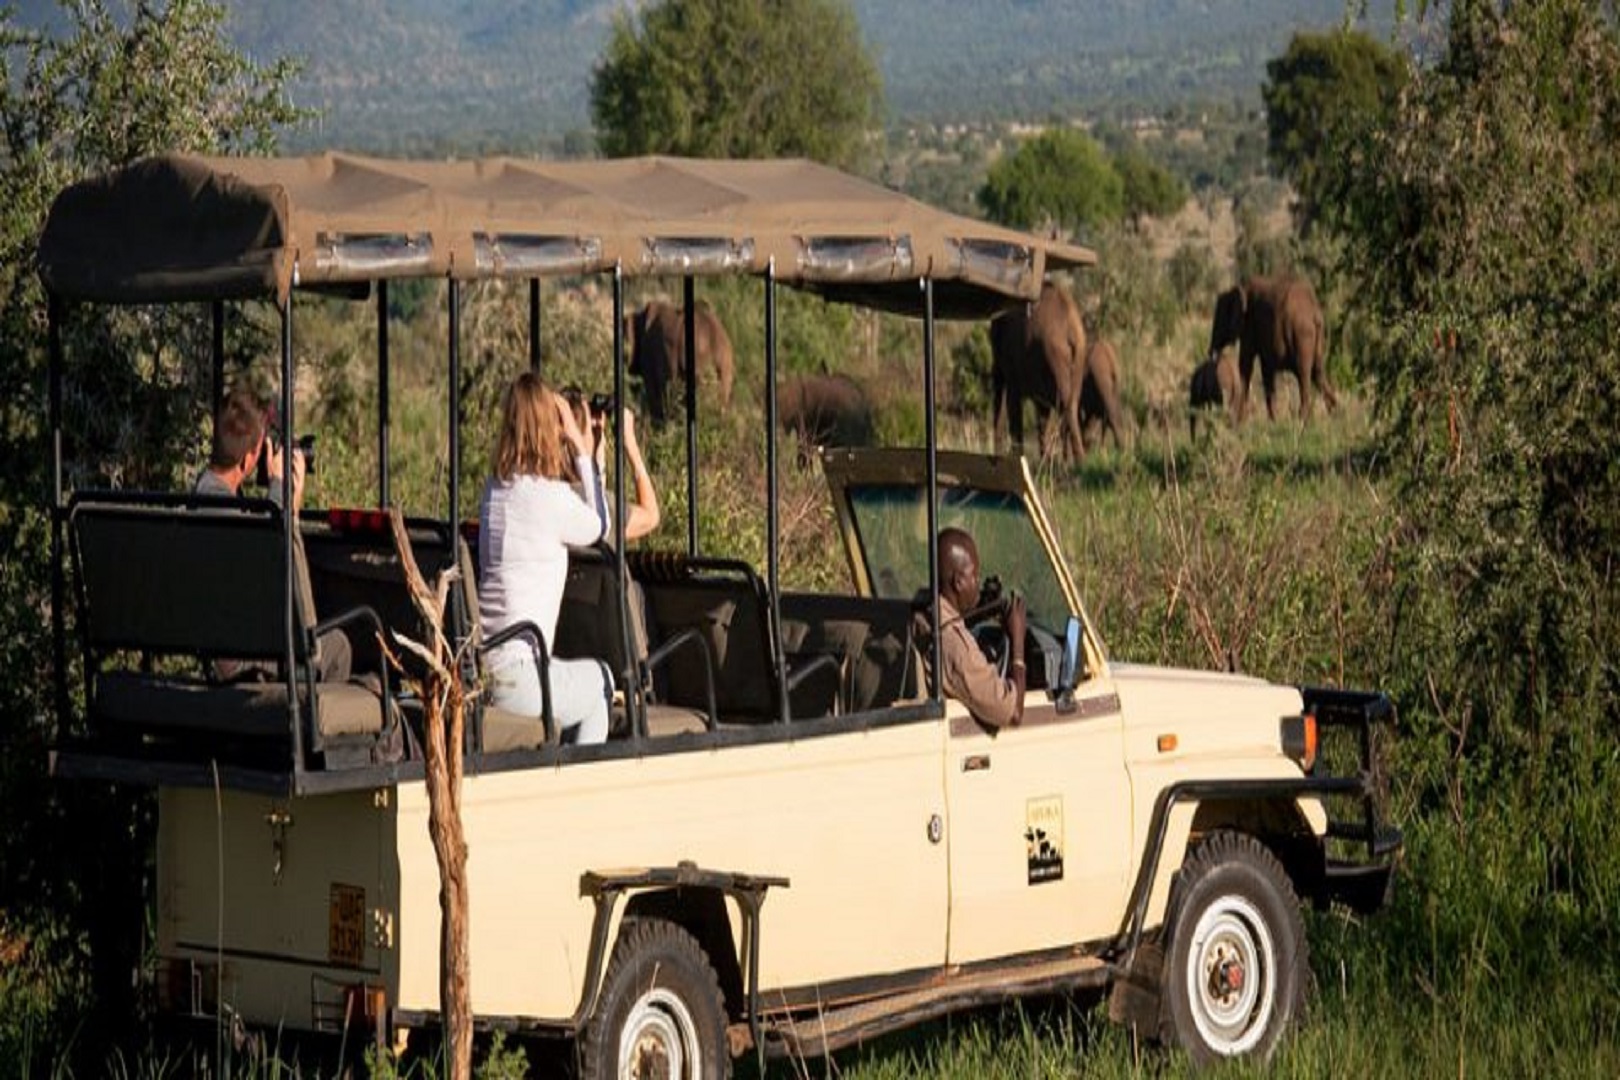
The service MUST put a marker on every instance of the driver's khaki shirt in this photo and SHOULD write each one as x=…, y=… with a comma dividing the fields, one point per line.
x=969, y=677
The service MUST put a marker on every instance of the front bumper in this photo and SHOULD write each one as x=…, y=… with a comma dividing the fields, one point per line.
x=1363, y=847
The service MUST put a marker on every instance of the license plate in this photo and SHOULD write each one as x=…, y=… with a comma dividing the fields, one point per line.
x=346, y=937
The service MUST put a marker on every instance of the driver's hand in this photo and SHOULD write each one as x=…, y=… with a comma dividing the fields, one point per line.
x=1014, y=622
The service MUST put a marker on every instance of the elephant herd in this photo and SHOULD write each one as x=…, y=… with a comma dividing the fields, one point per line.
x=820, y=409
x=1040, y=353
x=1277, y=321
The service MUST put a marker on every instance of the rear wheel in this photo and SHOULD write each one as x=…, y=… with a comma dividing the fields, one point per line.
x=1235, y=971
x=660, y=1015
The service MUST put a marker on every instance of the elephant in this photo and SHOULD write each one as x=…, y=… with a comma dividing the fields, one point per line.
x=1099, y=395
x=824, y=410
x=1279, y=321
x=656, y=336
x=1214, y=384
x=1038, y=352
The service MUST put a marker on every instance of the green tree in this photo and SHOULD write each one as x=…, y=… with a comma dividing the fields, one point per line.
x=1149, y=189
x=736, y=78
x=1320, y=95
x=1482, y=222
x=1060, y=178
x=107, y=90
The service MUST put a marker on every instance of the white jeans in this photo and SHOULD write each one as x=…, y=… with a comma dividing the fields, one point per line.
x=581, y=694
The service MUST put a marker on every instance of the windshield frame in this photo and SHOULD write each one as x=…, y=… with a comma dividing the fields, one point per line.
x=961, y=478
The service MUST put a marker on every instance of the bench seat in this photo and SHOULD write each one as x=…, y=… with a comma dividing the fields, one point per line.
x=244, y=710
x=171, y=587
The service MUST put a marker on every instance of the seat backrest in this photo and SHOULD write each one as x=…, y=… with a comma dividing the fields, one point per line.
x=590, y=622
x=726, y=603
x=872, y=635
x=355, y=568
x=207, y=581
x=467, y=590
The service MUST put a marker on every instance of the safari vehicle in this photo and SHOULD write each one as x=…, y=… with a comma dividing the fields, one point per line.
x=791, y=843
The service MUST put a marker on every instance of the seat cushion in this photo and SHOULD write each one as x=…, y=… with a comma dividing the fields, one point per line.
x=253, y=710
x=673, y=720
x=505, y=730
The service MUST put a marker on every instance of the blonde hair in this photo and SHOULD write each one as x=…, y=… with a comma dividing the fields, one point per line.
x=530, y=442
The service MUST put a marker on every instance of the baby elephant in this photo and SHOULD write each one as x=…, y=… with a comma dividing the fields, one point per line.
x=1099, y=396
x=1214, y=384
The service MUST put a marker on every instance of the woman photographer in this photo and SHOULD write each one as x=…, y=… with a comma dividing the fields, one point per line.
x=528, y=517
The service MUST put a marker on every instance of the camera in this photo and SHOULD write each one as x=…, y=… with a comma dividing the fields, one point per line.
x=306, y=446
x=595, y=405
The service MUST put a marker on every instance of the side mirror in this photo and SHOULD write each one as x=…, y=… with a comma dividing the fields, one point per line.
x=1069, y=673
x=1069, y=670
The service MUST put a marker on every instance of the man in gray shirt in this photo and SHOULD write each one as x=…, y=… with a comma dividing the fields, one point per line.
x=240, y=438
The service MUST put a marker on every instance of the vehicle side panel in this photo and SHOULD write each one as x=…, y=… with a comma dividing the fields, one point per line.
x=1039, y=827
x=843, y=816
x=1184, y=725
x=285, y=866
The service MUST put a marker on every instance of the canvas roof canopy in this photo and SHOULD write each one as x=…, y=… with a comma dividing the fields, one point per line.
x=178, y=227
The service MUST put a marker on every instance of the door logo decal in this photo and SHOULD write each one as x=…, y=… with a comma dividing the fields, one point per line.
x=1043, y=838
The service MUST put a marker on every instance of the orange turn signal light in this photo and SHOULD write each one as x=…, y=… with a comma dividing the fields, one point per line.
x=1167, y=743
x=1299, y=739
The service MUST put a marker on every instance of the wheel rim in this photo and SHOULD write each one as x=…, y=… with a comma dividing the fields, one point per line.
x=1231, y=976
x=660, y=1040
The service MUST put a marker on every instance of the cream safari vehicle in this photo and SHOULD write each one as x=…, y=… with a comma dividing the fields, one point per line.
x=790, y=843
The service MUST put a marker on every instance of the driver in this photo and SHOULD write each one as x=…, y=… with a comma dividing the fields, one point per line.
x=970, y=677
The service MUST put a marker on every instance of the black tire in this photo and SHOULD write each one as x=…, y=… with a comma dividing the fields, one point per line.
x=660, y=1015
x=1236, y=969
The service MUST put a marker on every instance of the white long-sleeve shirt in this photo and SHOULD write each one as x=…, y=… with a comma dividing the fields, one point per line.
x=525, y=527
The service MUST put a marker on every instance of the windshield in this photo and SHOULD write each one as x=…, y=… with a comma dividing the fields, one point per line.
x=892, y=523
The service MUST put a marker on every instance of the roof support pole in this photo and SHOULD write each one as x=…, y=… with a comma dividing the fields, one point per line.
x=931, y=437
x=534, y=325
x=57, y=311
x=454, y=516
x=290, y=525
x=689, y=301
x=384, y=417
x=628, y=677
x=773, y=539
x=217, y=354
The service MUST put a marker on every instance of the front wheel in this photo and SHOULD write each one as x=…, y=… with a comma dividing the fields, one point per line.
x=660, y=1015
x=1235, y=972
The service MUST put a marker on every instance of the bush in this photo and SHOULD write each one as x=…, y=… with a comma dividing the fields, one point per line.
x=1479, y=226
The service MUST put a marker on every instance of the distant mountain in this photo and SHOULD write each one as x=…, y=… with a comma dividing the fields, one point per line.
x=477, y=75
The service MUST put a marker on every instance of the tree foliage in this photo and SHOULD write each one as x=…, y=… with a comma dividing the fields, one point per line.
x=1321, y=95
x=1061, y=178
x=1483, y=221
x=736, y=78
x=1148, y=188
x=108, y=89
